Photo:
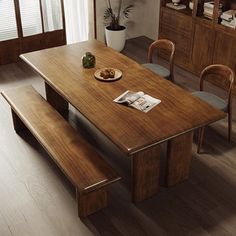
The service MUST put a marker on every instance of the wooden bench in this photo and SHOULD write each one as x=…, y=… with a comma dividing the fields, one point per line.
x=77, y=159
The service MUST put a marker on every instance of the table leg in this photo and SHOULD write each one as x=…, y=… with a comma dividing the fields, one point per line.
x=145, y=173
x=179, y=156
x=56, y=100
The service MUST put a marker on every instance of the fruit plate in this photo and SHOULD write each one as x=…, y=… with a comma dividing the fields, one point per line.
x=118, y=75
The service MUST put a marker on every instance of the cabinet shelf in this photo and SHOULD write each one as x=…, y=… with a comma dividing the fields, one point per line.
x=203, y=18
x=186, y=11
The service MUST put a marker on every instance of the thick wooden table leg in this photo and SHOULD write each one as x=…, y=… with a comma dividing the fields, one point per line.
x=56, y=100
x=179, y=156
x=145, y=173
x=17, y=123
x=92, y=202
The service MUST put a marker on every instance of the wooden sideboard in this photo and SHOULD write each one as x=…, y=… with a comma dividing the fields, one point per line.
x=199, y=41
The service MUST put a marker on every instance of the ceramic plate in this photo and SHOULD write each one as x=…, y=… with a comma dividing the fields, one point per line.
x=118, y=75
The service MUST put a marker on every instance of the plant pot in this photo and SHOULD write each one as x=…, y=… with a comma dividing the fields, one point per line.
x=116, y=38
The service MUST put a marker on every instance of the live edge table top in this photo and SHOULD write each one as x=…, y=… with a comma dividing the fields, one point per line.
x=131, y=130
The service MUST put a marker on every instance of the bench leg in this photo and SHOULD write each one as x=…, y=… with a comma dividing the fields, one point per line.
x=179, y=156
x=145, y=173
x=17, y=123
x=92, y=202
x=56, y=100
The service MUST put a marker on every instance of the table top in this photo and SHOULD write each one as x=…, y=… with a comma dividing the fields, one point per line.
x=131, y=130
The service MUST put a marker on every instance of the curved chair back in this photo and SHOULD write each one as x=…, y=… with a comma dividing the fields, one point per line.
x=221, y=76
x=166, y=45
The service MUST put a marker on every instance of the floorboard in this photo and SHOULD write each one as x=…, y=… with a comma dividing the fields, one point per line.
x=36, y=199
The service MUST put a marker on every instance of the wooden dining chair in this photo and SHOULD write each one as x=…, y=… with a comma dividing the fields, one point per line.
x=167, y=45
x=221, y=76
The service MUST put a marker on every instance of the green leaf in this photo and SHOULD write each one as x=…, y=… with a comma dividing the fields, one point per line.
x=113, y=18
x=127, y=11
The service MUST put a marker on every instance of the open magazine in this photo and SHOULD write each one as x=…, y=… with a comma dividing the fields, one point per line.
x=138, y=100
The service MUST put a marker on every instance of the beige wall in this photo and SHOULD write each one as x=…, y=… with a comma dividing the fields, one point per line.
x=151, y=18
x=144, y=19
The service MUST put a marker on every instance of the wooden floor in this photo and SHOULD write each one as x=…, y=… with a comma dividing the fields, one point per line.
x=36, y=199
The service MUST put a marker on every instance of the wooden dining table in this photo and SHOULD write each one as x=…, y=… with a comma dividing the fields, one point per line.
x=137, y=134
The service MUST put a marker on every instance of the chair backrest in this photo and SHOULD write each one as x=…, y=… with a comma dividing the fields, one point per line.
x=221, y=76
x=165, y=44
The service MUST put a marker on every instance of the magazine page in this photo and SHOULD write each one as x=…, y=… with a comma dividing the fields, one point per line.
x=145, y=103
x=128, y=97
x=138, y=100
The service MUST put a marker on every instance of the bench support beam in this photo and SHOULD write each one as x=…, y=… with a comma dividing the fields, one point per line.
x=17, y=123
x=89, y=203
x=56, y=100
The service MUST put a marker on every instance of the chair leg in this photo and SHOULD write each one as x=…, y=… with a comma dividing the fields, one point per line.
x=229, y=126
x=200, y=138
x=171, y=78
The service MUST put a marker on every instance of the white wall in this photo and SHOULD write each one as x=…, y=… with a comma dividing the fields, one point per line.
x=144, y=19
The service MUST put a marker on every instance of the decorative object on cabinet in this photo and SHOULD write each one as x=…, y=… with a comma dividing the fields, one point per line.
x=191, y=5
x=228, y=18
x=175, y=6
x=176, y=2
x=169, y=47
x=223, y=76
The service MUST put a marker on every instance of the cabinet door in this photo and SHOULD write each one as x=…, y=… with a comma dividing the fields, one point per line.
x=225, y=52
x=176, y=27
x=202, y=55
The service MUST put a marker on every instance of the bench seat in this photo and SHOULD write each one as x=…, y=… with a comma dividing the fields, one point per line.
x=77, y=159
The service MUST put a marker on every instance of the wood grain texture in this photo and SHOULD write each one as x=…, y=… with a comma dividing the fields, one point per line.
x=134, y=130
x=73, y=155
x=179, y=156
x=145, y=173
x=199, y=41
x=11, y=49
x=203, y=47
x=168, y=46
x=42, y=202
x=17, y=123
x=224, y=52
x=92, y=202
x=44, y=40
x=178, y=28
x=55, y=100
x=223, y=77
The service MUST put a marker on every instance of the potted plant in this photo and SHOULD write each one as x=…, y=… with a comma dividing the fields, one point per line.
x=114, y=31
